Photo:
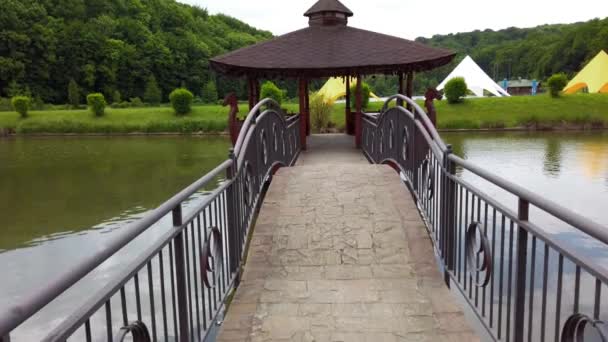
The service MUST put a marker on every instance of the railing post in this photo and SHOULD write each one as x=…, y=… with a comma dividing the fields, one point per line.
x=523, y=213
x=449, y=215
x=231, y=213
x=6, y=338
x=180, y=276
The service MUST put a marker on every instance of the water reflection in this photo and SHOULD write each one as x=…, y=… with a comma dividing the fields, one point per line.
x=553, y=157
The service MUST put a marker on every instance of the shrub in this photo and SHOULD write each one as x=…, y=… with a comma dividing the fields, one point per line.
x=455, y=89
x=136, y=102
x=153, y=95
x=73, y=94
x=320, y=111
x=365, y=91
x=210, y=92
x=38, y=103
x=116, y=97
x=181, y=101
x=97, y=103
x=556, y=83
x=270, y=90
x=5, y=105
x=21, y=104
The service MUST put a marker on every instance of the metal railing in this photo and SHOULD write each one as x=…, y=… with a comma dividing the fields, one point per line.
x=176, y=289
x=521, y=281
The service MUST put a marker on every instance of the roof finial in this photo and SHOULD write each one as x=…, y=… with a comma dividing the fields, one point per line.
x=327, y=13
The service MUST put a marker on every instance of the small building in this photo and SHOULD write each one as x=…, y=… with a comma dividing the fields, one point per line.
x=521, y=86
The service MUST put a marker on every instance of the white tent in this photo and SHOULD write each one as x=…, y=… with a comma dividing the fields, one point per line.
x=477, y=80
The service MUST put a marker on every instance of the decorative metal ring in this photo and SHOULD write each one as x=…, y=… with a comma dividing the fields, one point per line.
x=211, y=257
x=247, y=185
x=472, y=253
x=574, y=328
x=391, y=135
x=428, y=179
x=405, y=147
x=274, y=137
x=138, y=331
x=264, y=147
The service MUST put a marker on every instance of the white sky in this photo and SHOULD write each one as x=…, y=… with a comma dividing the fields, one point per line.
x=411, y=19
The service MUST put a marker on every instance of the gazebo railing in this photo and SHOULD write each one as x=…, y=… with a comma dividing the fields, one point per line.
x=522, y=282
x=176, y=289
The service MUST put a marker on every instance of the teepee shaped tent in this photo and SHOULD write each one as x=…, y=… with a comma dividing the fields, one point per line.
x=594, y=76
x=335, y=88
x=477, y=80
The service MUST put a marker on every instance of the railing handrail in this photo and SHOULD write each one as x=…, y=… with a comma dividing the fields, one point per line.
x=580, y=222
x=12, y=317
x=248, y=120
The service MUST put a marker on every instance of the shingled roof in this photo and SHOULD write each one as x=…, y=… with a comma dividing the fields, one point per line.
x=330, y=49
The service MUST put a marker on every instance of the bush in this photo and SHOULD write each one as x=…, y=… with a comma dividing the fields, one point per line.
x=5, y=105
x=181, y=101
x=365, y=91
x=556, y=83
x=97, y=103
x=136, y=102
x=270, y=90
x=38, y=103
x=153, y=95
x=210, y=92
x=320, y=112
x=116, y=97
x=73, y=94
x=21, y=104
x=455, y=89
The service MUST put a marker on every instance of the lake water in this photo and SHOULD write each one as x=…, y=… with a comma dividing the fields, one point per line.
x=62, y=198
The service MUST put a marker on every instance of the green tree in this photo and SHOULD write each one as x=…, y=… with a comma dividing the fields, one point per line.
x=210, y=92
x=365, y=93
x=270, y=90
x=455, y=89
x=556, y=84
x=181, y=101
x=116, y=97
x=153, y=94
x=73, y=94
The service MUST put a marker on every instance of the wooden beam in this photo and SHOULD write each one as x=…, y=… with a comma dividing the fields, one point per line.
x=409, y=90
x=347, y=114
x=307, y=107
x=399, y=101
x=302, y=98
x=358, y=104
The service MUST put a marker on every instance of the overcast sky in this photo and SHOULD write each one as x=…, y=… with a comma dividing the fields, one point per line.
x=411, y=19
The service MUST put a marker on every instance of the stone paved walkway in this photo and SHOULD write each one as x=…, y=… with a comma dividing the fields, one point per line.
x=339, y=253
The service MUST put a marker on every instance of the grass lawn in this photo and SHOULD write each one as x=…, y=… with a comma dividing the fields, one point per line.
x=589, y=110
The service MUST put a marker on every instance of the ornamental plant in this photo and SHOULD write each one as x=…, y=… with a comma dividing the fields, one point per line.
x=270, y=90
x=181, y=101
x=97, y=104
x=365, y=93
x=152, y=95
x=455, y=90
x=556, y=83
x=21, y=104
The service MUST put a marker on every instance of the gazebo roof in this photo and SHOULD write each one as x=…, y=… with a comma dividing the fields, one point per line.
x=330, y=48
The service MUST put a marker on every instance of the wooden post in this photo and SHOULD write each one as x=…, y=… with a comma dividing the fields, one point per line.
x=347, y=114
x=399, y=101
x=307, y=107
x=256, y=87
x=302, y=98
x=250, y=94
x=358, y=103
x=409, y=90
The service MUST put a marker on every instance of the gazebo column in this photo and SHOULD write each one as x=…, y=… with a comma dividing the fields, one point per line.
x=302, y=97
x=250, y=93
x=307, y=107
x=256, y=87
x=348, y=121
x=399, y=101
x=409, y=90
x=358, y=117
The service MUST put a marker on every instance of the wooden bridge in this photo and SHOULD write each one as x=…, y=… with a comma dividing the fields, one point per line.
x=340, y=253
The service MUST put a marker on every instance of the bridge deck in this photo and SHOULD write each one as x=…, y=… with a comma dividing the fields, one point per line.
x=339, y=253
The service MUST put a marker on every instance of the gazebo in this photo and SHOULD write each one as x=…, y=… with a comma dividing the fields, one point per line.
x=328, y=47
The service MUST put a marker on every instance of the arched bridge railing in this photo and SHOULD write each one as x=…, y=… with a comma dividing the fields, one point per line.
x=176, y=289
x=522, y=282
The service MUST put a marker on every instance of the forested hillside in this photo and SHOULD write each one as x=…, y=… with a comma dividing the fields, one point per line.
x=111, y=45
x=535, y=52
